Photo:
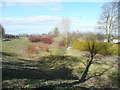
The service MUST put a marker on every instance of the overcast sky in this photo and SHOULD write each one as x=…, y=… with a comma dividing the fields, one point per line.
x=33, y=17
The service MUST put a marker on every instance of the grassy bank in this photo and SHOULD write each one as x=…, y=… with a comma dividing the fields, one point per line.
x=19, y=71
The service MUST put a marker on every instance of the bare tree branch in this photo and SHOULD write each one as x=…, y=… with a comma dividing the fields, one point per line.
x=99, y=74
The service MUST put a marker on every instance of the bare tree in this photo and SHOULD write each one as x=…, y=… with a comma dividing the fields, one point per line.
x=71, y=37
x=2, y=31
x=108, y=20
x=119, y=20
x=65, y=26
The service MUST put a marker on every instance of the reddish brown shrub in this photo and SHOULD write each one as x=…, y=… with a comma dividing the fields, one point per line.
x=62, y=44
x=32, y=49
x=44, y=48
x=46, y=40
x=34, y=39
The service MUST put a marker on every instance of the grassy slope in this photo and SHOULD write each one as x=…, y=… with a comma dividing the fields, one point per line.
x=19, y=71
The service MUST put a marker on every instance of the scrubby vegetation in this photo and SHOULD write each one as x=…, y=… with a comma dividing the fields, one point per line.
x=62, y=59
x=107, y=48
x=29, y=64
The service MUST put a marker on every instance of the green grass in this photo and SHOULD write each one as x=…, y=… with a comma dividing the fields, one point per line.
x=57, y=52
x=15, y=46
x=62, y=66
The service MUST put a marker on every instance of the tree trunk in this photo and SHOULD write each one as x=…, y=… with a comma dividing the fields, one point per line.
x=83, y=78
x=109, y=38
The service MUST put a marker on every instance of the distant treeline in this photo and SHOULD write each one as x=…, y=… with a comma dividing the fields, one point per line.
x=10, y=36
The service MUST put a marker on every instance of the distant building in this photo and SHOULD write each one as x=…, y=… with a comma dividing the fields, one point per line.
x=105, y=40
x=115, y=41
x=112, y=40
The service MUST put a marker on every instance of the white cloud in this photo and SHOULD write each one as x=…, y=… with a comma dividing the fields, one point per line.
x=32, y=0
x=60, y=0
x=53, y=6
x=28, y=30
x=33, y=20
x=30, y=25
x=43, y=4
x=10, y=4
x=41, y=24
x=56, y=7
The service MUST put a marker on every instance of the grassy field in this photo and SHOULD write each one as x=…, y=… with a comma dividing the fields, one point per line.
x=48, y=69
